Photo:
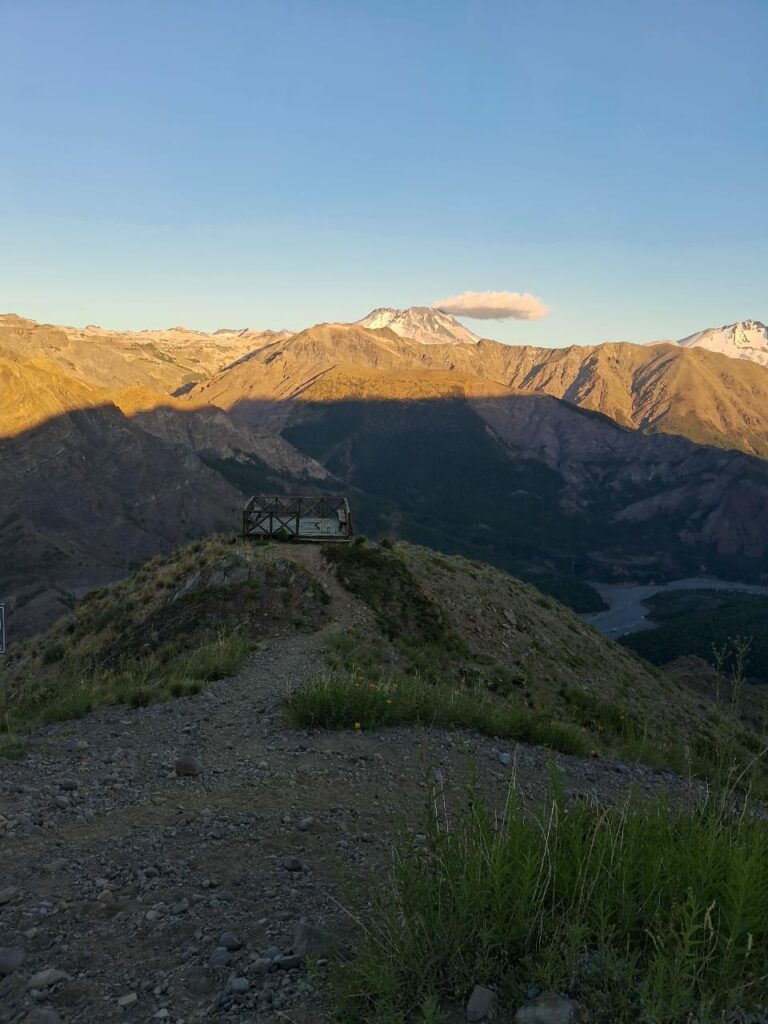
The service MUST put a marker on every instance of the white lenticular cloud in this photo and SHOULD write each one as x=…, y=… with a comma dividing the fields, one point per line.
x=494, y=306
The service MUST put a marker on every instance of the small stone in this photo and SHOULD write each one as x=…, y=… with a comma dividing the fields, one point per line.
x=220, y=957
x=69, y=785
x=290, y=962
x=532, y=992
x=311, y=941
x=47, y=978
x=239, y=985
x=162, y=1014
x=504, y=758
x=127, y=1000
x=292, y=864
x=272, y=952
x=230, y=941
x=42, y=1015
x=481, y=1005
x=188, y=765
x=11, y=958
x=548, y=1008
x=261, y=965
x=7, y=894
x=306, y=823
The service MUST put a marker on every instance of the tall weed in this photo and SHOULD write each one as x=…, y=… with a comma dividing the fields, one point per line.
x=644, y=912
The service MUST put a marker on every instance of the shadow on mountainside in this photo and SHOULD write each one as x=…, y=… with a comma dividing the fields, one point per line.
x=526, y=478
x=550, y=492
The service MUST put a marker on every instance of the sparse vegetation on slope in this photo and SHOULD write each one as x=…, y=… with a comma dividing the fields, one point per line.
x=180, y=621
x=467, y=645
x=644, y=912
x=493, y=649
x=350, y=701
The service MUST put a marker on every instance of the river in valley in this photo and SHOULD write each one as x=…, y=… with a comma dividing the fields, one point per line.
x=626, y=612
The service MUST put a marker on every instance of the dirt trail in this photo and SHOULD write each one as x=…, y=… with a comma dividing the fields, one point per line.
x=125, y=876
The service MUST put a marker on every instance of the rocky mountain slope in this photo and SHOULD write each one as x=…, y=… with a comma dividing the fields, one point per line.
x=747, y=339
x=164, y=360
x=545, y=489
x=420, y=323
x=89, y=494
x=539, y=479
x=704, y=396
x=96, y=480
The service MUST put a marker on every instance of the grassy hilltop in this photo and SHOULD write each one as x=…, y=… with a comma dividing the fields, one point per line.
x=459, y=641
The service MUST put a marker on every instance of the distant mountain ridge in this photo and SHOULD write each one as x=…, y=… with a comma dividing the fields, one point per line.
x=420, y=323
x=702, y=395
x=537, y=459
x=100, y=468
x=165, y=360
x=747, y=339
x=527, y=456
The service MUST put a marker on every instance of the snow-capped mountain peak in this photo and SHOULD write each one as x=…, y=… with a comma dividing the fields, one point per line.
x=747, y=339
x=428, y=326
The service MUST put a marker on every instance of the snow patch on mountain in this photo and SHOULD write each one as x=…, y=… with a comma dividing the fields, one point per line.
x=428, y=326
x=747, y=339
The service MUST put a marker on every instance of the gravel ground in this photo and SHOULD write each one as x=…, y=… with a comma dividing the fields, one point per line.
x=137, y=894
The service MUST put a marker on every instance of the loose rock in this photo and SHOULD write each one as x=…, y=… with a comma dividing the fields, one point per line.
x=11, y=958
x=220, y=957
x=309, y=940
x=188, y=765
x=47, y=978
x=481, y=1005
x=42, y=1015
x=230, y=941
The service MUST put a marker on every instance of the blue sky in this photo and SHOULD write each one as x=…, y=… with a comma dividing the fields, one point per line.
x=272, y=164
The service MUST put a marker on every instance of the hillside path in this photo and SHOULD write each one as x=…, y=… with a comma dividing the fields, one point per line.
x=125, y=877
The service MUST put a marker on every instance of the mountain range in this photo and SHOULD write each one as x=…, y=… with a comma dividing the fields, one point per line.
x=614, y=461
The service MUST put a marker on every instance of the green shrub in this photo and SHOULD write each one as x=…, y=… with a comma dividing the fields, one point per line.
x=404, y=613
x=53, y=653
x=223, y=656
x=349, y=701
x=643, y=912
x=168, y=671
